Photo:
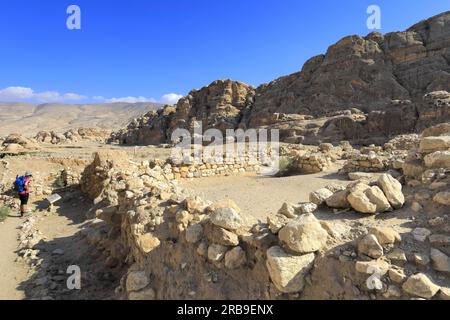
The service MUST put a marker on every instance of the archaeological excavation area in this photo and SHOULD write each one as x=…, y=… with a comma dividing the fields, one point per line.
x=359, y=209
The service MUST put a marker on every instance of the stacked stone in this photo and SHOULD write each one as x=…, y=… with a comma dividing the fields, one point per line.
x=70, y=178
x=313, y=163
x=431, y=160
x=370, y=162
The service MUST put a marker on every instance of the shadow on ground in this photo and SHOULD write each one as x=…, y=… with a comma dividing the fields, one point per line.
x=64, y=245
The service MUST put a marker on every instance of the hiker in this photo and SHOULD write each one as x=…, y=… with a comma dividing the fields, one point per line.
x=22, y=186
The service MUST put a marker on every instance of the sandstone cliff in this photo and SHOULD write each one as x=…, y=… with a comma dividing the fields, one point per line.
x=374, y=86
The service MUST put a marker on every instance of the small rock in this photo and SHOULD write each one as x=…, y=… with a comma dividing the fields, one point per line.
x=370, y=246
x=421, y=286
x=392, y=188
x=307, y=207
x=136, y=280
x=439, y=240
x=220, y=236
x=392, y=292
x=354, y=176
x=421, y=259
x=377, y=197
x=148, y=242
x=397, y=275
x=444, y=293
x=398, y=257
x=216, y=252
x=276, y=222
x=288, y=210
x=143, y=295
x=368, y=267
x=416, y=207
x=339, y=200
x=287, y=271
x=58, y=252
x=304, y=235
x=442, y=198
x=194, y=233
x=235, y=258
x=227, y=218
x=359, y=200
x=385, y=235
x=202, y=249
x=421, y=234
x=320, y=196
x=440, y=261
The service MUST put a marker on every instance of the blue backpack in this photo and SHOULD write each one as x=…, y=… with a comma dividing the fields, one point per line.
x=19, y=184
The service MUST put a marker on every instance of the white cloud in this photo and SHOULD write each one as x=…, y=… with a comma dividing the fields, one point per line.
x=171, y=98
x=74, y=96
x=22, y=93
x=16, y=93
x=127, y=99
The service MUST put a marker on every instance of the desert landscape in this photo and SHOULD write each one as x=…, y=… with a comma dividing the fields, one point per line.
x=358, y=211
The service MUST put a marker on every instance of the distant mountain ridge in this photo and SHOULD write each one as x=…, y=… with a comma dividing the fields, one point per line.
x=28, y=118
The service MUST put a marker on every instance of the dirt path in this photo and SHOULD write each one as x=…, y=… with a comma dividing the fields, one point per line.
x=64, y=246
x=12, y=273
x=260, y=196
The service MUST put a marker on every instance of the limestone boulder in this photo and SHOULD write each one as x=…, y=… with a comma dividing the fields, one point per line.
x=392, y=188
x=235, y=258
x=440, y=261
x=339, y=200
x=304, y=235
x=370, y=246
x=227, y=218
x=136, y=280
x=438, y=159
x=359, y=200
x=377, y=197
x=442, y=198
x=420, y=285
x=288, y=271
x=433, y=144
x=320, y=196
x=385, y=235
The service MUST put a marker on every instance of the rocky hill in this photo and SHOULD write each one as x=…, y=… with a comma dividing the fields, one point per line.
x=29, y=119
x=362, y=89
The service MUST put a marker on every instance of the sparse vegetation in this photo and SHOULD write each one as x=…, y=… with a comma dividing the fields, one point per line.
x=285, y=164
x=59, y=182
x=4, y=213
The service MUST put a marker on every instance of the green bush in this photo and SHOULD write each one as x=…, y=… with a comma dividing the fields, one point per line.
x=59, y=182
x=4, y=213
x=285, y=165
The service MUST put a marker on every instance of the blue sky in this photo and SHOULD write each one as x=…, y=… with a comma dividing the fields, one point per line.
x=145, y=50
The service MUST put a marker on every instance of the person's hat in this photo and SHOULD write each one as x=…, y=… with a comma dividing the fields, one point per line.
x=28, y=174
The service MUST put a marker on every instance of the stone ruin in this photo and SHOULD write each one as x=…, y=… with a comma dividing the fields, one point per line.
x=181, y=246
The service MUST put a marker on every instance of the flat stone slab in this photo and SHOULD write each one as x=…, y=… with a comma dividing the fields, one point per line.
x=54, y=198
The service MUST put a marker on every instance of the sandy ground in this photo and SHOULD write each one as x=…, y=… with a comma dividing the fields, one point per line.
x=260, y=196
x=12, y=273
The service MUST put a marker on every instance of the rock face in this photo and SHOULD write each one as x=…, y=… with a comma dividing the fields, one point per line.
x=372, y=87
x=367, y=73
x=220, y=105
x=287, y=271
x=304, y=235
